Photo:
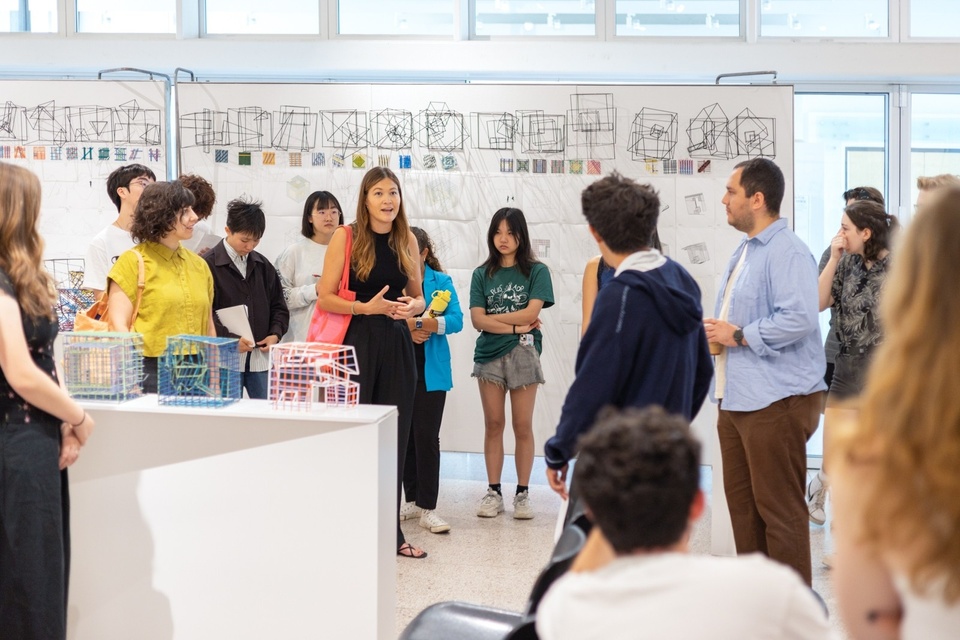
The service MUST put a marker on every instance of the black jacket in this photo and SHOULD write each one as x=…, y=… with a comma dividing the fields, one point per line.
x=260, y=291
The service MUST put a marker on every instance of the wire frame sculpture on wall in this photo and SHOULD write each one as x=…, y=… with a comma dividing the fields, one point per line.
x=103, y=366
x=302, y=373
x=71, y=297
x=200, y=371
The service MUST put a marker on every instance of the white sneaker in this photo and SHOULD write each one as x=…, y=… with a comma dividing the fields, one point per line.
x=430, y=521
x=521, y=506
x=816, y=497
x=491, y=505
x=409, y=510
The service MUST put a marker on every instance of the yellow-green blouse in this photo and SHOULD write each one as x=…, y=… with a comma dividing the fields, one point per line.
x=177, y=296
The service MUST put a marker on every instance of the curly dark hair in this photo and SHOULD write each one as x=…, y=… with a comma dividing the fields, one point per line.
x=158, y=210
x=867, y=214
x=424, y=242
x=203, y=192
x=639, y=472
x=622, y=212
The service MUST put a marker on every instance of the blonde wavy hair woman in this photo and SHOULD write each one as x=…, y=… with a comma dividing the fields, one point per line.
x=897, y=488
x=41, y=427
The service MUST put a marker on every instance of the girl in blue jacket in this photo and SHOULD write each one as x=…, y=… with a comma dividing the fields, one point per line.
x=421, y=471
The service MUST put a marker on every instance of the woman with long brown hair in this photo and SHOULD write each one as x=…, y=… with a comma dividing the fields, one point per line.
x=41, y=428
x=896, y=469
x=385, y=274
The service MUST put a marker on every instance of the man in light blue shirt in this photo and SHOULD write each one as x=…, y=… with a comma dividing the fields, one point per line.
x=769, y=374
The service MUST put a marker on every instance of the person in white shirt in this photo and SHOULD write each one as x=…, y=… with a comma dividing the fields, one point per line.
x=301, y=264
x=124, y=187
x=639, y=474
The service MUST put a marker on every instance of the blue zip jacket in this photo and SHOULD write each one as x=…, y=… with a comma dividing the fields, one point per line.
x=436, y=351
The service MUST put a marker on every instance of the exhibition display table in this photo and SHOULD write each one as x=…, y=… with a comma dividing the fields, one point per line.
x=238, y=522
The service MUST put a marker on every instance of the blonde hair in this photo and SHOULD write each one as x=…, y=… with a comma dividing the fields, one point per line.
x=363, y=255
x=21, y=248
x=907, y=440
x=926, y=183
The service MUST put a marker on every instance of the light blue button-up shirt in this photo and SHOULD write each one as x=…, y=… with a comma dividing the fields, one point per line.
x=775, y=301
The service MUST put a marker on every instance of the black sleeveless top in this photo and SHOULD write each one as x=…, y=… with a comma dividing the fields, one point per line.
x=386, y=271
x=40, y=334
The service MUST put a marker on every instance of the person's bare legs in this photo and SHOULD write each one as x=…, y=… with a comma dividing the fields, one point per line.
x=522, y=402
x=493, y=398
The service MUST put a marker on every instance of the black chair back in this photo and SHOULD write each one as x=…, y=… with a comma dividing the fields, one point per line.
x=569, y=544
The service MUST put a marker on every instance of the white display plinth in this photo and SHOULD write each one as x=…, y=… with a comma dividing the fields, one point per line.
x=234, y=523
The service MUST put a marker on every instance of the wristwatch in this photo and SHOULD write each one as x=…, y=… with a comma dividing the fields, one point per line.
x=419, y=323
x=738, y=336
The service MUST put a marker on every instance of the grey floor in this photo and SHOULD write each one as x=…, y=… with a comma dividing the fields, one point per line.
x=494, y=561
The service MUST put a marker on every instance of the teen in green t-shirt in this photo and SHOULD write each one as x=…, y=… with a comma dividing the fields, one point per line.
x=507, y=293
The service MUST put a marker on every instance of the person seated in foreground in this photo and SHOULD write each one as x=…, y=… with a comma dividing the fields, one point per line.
x=640, y=479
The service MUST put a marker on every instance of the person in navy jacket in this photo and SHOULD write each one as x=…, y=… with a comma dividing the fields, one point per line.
x=645, y=344
x=421, y=471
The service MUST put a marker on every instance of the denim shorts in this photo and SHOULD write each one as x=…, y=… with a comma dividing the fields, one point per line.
x=849, y=377
x=517, y=369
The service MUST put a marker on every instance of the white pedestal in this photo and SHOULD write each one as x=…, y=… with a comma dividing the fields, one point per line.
x=240, y=523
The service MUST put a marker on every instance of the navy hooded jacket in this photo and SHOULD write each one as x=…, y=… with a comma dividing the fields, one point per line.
x=645, y=346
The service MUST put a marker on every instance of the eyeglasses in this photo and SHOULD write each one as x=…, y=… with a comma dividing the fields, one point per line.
x=143, y=182
x=326, y=212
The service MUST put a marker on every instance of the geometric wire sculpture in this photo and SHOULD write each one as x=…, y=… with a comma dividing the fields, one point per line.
x=103, y=366
x=200, y=371
x=68, y=275
x=304, y=372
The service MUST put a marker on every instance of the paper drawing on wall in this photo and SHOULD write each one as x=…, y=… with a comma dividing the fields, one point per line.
x=653, y=135
x=90, y=124
x=392, y=129
x=697, y=253
x=442, y=195
x=494, y=131
x=204, y=129
x=696, y=204
x=710, y=136
x=440, y=128
x=199, y=371
x=756, y=136
x=248, y=127
x=134, y=125
x=541, y=132
x=13, y=120
x=103, y=365
x=298, y=188
x=45, y=124
x=302, y=373
x=293, y=128
x=345, y=131
x=541, y=248
x=591, y=125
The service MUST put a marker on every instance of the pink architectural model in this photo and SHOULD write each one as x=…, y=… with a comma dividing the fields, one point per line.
x=302, y=373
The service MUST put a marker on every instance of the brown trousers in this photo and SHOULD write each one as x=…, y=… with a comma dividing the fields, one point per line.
x=764, y=455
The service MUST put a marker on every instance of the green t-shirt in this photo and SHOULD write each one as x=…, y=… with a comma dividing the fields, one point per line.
x=508, y=290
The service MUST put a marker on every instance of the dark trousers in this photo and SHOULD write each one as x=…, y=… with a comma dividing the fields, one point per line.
x=34, y=533
x=150, y=374
x=421, y=471
x=764, y=455
x=388, y=375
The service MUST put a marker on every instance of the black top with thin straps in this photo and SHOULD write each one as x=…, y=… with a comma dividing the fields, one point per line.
x=386, y=271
